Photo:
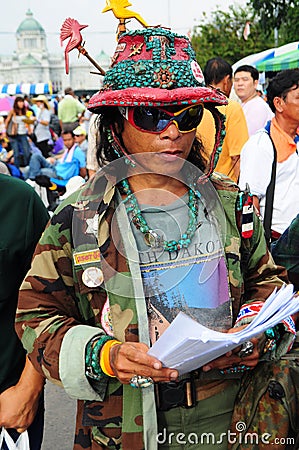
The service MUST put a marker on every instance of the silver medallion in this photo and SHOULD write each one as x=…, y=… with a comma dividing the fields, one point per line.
x=152, y=239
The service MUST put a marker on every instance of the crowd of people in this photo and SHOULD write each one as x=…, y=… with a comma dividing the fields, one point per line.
x=188, y=203
x=47, y=137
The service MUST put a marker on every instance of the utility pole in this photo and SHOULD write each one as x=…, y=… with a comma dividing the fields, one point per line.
x=276, y=29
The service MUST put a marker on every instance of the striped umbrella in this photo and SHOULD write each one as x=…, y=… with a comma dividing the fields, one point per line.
x=257, y=59
x=26, y=88
x=288, y=60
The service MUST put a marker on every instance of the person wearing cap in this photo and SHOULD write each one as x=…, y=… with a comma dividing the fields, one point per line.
x=80, y=138
x=139, y=242
x=41, y=126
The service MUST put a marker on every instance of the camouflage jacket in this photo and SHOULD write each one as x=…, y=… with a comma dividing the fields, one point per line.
x=58, y=314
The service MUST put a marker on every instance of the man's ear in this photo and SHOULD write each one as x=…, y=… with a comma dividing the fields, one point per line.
x=279, y=104
x=227, y=83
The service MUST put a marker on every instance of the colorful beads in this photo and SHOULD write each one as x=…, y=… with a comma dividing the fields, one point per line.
x=92, y=356
x=235, y=369
x=151, y=238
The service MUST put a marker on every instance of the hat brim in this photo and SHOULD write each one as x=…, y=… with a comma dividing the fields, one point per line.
x=155, y=97
x=45, y=102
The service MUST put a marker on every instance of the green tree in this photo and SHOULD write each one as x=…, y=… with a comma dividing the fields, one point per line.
x=288, y=31
x=273, y=12
x=282, y=15
x=222, y=35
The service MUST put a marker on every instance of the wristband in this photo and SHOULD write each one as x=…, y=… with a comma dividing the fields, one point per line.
x=92, y=356
x=105, y=358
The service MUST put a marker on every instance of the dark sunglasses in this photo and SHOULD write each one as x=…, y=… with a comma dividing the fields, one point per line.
x=155, y=120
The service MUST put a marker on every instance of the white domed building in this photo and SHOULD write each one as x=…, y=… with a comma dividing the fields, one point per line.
x=33, y=70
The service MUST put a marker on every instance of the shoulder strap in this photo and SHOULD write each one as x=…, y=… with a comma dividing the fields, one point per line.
x=270, y=191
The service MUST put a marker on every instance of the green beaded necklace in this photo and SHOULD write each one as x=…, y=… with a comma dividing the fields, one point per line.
x=151, y=238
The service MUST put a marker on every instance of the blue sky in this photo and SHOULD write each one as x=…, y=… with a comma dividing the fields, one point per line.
x=180, y=15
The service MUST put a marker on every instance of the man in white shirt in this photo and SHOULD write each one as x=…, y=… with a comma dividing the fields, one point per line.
x=257, y=111
x=257, y=159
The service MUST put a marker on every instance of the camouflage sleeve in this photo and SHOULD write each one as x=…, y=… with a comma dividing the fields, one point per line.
x=261, y=277
x=48, y=320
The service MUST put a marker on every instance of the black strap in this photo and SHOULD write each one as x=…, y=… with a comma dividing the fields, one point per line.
x=270, y=192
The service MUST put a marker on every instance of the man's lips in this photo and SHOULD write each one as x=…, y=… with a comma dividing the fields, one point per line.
x=170, y=155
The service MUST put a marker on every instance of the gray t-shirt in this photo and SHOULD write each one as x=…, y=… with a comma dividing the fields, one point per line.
x=193, y=280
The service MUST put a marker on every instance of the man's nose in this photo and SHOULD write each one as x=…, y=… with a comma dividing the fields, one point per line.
x=171, y=132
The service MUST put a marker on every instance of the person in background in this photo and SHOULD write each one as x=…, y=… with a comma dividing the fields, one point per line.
x=256, y=110
x=280, y=135
x=54, y=103
x=85, y=119
x=16, y=131
x=41, y=125
x=2, y=126
x=80, y=138
x=68, y=163
x=135, y=245
x=24, y=218
x=29, y=105
x=218, y=74
x=70, y=110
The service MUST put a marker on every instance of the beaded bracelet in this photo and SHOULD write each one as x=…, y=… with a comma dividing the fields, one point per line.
x=234, y=369
x=93, y=348
x=105, y=358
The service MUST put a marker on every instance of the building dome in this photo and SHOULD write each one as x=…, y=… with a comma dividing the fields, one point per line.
x=30, y=24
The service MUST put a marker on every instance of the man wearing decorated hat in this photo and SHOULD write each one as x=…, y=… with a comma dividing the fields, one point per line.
x=153, y=233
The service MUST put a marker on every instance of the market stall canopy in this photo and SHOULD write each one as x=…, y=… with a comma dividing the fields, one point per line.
x=287, y=61
x=26, y=88
x=257, y=59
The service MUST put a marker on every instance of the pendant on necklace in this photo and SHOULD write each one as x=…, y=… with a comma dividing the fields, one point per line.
x=152, y=239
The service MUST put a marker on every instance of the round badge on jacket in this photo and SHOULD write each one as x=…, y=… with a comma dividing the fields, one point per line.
x=92, y=277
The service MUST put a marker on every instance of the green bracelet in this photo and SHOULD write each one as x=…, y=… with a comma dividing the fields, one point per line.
x=92, y=356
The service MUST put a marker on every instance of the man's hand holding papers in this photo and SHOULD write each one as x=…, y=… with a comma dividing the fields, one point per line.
x=187, y=345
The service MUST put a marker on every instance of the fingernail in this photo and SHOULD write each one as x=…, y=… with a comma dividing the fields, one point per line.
x=173, y=375
x=157, y=366
x=206, y=368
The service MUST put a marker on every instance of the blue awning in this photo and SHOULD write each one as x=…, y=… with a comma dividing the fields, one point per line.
x=26, y=88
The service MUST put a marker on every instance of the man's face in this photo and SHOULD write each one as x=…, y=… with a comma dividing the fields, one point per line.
x=244, y=85
x=289, y=106
x=167, y=149
x=79, y=138
x=68, y=140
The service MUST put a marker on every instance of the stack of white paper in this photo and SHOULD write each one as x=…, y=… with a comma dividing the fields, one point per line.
x=187, y=345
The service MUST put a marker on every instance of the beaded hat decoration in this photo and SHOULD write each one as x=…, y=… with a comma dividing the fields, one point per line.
x=154, y=67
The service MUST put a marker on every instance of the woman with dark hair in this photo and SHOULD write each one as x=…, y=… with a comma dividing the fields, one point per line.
x=16, y=131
